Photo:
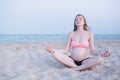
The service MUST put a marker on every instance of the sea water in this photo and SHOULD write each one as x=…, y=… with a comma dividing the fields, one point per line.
x=11, y=38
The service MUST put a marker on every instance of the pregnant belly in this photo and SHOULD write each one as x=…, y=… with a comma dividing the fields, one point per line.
x=79, y=54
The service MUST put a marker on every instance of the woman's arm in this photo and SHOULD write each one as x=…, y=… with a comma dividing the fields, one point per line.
x=91, y=41
x=67, y=47
x=65, y=51
x=69, y=39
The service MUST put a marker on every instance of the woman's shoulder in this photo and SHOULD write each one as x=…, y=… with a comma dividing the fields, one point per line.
x=90, y=33
x=70, y=34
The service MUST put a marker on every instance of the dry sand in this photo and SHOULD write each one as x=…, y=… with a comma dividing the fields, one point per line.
x=30, y=61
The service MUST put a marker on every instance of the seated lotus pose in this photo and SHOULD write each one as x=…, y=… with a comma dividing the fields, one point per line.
x=79, y=41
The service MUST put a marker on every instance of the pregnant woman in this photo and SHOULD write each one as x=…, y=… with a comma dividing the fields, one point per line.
x=79, y=41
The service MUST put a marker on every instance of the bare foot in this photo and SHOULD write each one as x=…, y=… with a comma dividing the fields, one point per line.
x=50, y=49
x=106, y=54
x=76, y=69
x=79, y=69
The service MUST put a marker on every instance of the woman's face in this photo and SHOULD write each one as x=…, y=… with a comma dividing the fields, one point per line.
x=79, y=21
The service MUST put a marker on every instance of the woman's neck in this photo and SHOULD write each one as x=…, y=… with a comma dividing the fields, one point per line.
x=80, y=28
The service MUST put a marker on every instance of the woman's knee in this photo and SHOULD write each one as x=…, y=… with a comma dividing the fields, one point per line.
x=55, y=55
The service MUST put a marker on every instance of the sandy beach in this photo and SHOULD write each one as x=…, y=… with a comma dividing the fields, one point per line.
x=30, y=61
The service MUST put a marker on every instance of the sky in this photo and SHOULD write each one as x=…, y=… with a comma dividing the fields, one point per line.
x=57, y=16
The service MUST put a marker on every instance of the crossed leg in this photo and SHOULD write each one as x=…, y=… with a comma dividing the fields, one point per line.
x=93, y=61
x=61, y=57
x=88, y=63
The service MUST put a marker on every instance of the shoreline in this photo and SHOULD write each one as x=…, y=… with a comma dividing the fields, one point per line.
x=55, y=41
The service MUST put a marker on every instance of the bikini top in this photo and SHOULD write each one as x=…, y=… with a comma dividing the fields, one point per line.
x=84, y=44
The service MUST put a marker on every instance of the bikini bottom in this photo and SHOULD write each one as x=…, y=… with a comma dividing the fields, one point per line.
x=78, y=63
